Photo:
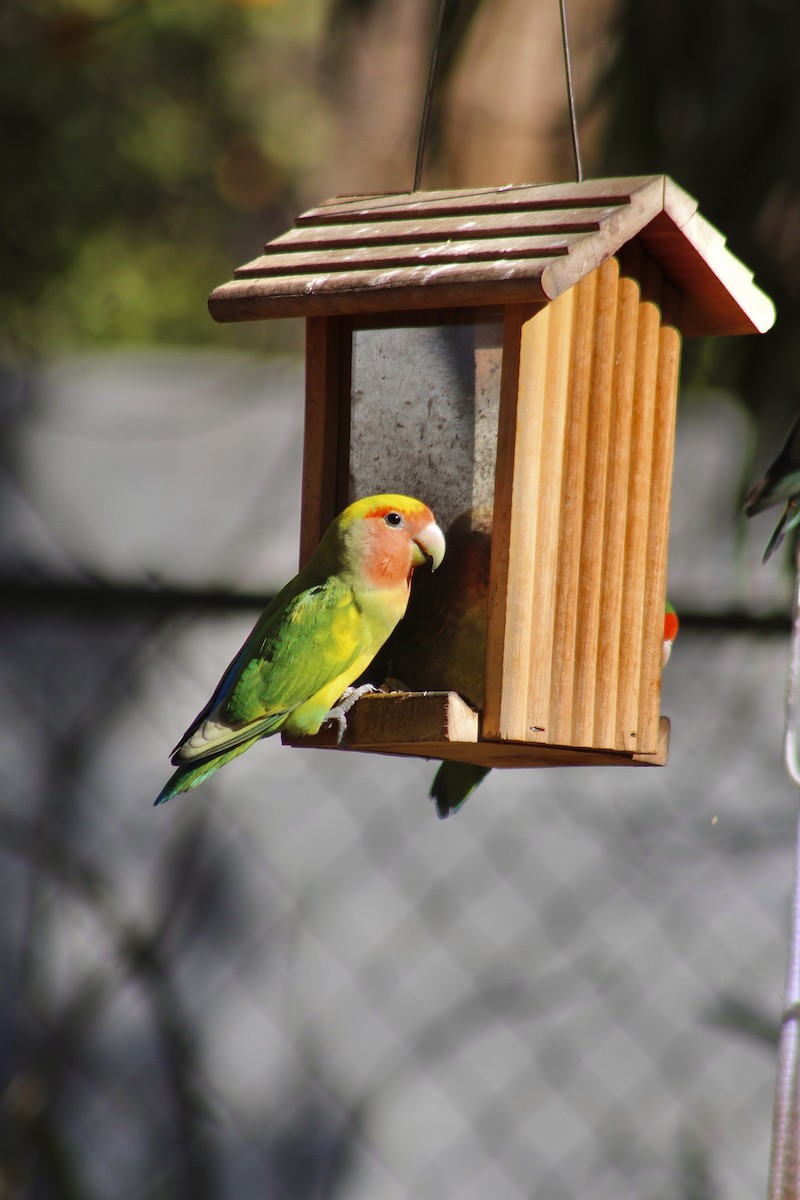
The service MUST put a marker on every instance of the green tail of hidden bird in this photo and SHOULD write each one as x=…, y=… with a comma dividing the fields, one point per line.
x=453, y=784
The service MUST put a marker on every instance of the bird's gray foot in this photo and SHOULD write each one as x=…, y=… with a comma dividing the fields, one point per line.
x=343, y=705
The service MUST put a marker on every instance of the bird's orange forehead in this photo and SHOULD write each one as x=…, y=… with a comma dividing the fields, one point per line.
x=381, y=510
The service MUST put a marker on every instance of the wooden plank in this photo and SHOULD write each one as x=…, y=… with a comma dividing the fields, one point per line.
x=519, y=439
x=570, y=530
x=386, y=718
x=615, y=517
x=344, y=392
x=525, y=538
x=593, y=514
x=327, y=354
x=635, y=558
x=389, y=291
x=546, y=224
x=504, y=609
x=440, y=725
x=414, y=275
x=666, y=395
x=413, y=254
x=590, y=192
x=538, y=559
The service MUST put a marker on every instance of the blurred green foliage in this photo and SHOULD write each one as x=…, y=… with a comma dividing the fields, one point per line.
x=148, y=148
x=710, y=94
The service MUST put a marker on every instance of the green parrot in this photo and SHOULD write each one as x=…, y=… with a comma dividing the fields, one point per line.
x=780, y=483
x=315, y=638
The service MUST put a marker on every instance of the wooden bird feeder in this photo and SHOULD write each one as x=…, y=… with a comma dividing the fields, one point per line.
x=513, y=349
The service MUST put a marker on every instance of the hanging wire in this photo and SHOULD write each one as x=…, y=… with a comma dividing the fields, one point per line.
x=573, y=119
x=784, y=1173
x=426, y=108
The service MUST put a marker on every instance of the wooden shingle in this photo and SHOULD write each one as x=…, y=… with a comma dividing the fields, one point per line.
x=515, y=244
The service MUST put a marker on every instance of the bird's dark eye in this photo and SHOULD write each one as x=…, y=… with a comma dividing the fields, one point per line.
x=393, y=518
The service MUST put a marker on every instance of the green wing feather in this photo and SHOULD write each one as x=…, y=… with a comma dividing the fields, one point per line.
x=301, y=644
x=289, y=659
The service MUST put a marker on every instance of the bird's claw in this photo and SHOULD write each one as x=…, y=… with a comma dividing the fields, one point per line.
x=339, y=712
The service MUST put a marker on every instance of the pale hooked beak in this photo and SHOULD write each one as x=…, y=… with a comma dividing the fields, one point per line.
x=430, y=542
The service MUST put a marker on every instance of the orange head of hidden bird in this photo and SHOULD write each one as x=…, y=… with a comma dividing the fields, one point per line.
x=319, y=634
x=671, y=626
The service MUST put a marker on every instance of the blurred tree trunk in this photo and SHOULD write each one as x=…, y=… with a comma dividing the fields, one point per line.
x=500, y=106
x=377, y=79
x=506, y=115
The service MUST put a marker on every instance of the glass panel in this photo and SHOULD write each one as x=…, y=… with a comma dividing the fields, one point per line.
x=424, y=407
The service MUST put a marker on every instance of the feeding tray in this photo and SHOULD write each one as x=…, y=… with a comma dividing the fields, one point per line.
x=442, y=725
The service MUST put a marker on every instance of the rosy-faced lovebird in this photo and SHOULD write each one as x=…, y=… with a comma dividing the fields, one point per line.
x=319, y=634
x=780, y=484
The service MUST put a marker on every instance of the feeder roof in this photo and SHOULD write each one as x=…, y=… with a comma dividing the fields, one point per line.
x=488, y=246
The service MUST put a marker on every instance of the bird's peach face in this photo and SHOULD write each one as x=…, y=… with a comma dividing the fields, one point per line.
x=399, y=540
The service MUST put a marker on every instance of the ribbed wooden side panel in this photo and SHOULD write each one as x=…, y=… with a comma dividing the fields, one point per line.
x=565, y=627
x=588, y=548
x=600, y=725
x=514, y=629
x=622, y=710
x=548, y=348
x=663, y=447
x=576, y=625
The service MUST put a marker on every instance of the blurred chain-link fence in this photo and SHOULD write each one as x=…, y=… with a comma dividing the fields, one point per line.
x=296, y=982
